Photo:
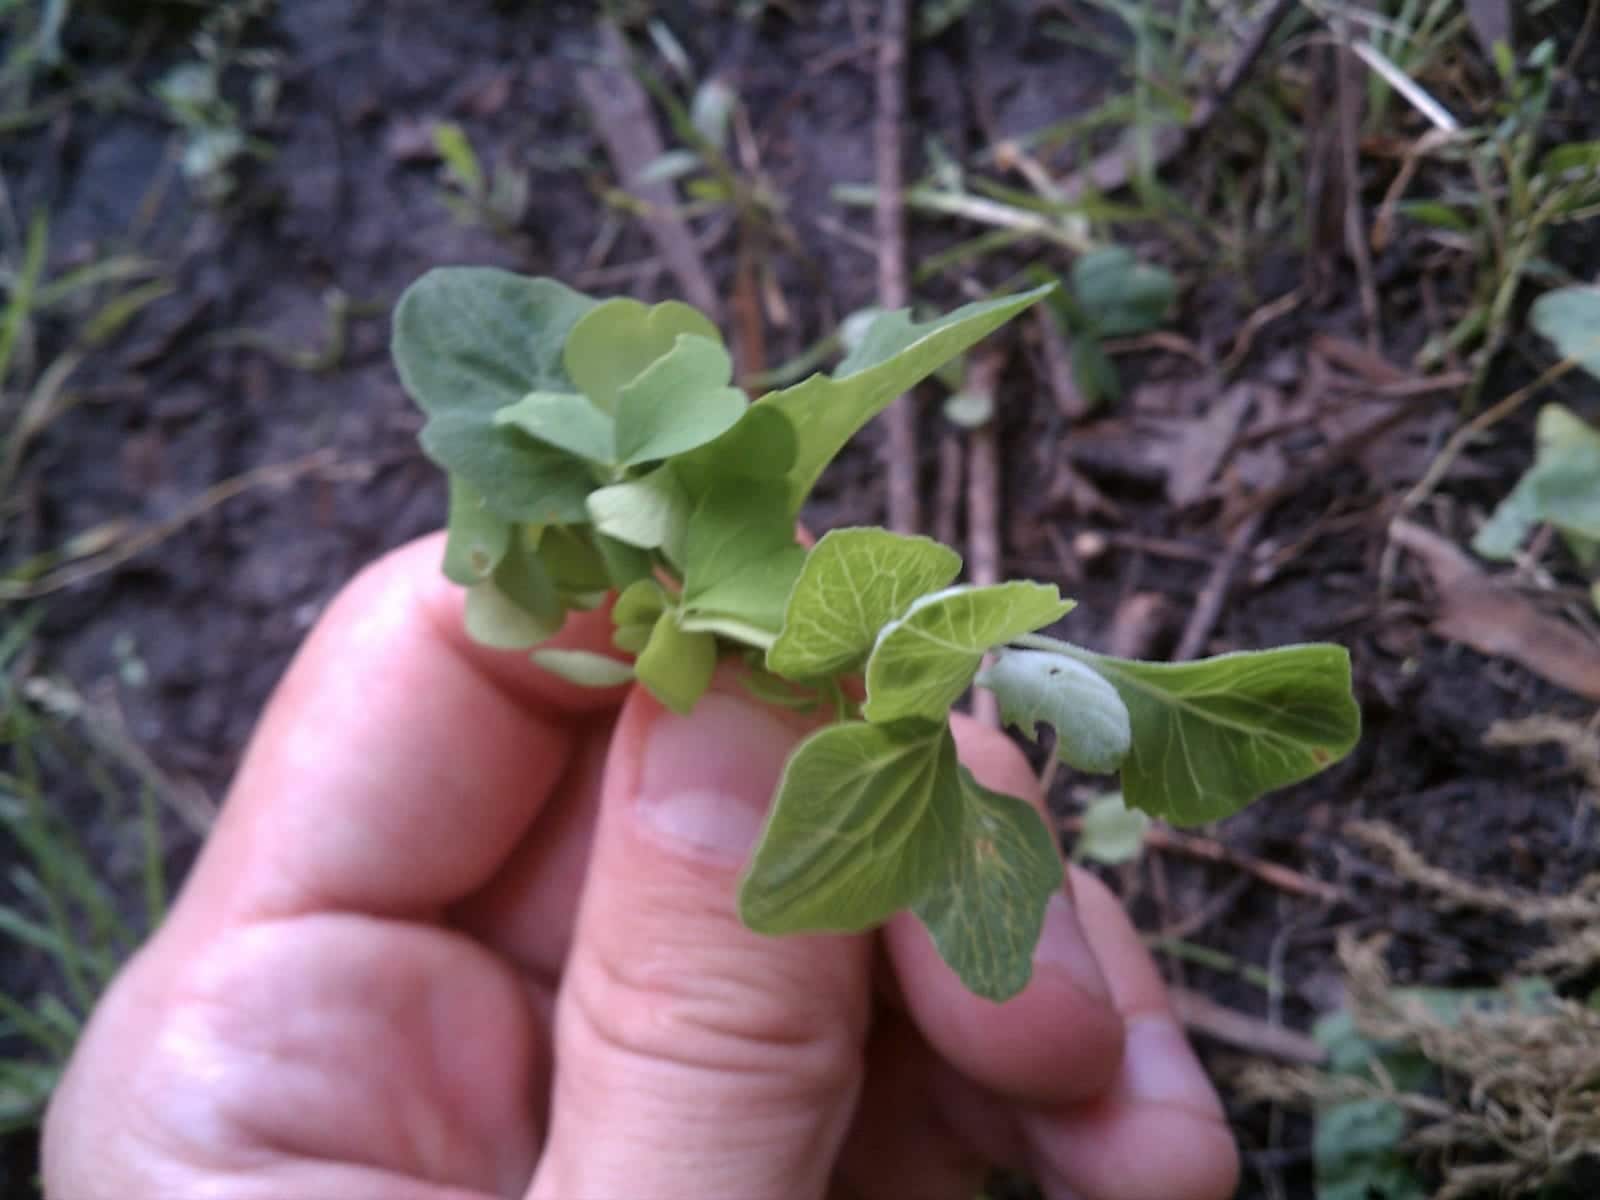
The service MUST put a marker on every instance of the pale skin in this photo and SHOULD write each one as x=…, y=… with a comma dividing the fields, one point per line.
x=466, y=931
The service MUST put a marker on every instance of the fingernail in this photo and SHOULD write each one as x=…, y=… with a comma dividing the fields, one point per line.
x=1160, y=1067
x=707, y=779
x=1062, y=944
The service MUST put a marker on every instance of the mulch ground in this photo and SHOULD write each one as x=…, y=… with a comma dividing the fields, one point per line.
x=1292, y=429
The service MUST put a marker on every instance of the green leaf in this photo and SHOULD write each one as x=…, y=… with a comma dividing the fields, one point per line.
x=740, y=559
x=650, y=513
x=617, y=340
x=1437, y=214
x=1093, y=373
x=477, y=539
x=573, y=560
x=1574, y=156
x=519, y=606
x=564, y=420
x=640, y=603
x=468, y=341
x=1562, y=487
x=1091, y=721
x=676, y=666
x=1210, y=736
x=859, y=830
x=1112, y=833
x=585, y=668
x=493, y=619
x=1570, y=317
x=895, y=354
x=853, y=583
x=761, y=445
x=680, y=401
x=1122, y=295
x=986, y=917
x=923, y=661
x=871, y=819
x=625, y=564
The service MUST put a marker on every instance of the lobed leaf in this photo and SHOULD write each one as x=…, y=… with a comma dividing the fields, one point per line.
x=1092, y=727
x=615, y=341
x=923, y=661
x=853, y=583
x=469, y=341
x=679, y=402
x=849, y=840
x=564, y=420
x=871, y=819
x=894, y=355
x=1211, y=736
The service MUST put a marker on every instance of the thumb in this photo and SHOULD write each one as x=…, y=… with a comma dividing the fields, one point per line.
x=693, y=1057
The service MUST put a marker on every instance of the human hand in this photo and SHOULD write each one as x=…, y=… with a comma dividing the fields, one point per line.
x=464, y=930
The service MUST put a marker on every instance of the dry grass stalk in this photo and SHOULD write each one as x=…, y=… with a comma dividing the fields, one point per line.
x=1580, y=907
x=1581, y=742
x=1517, y=1107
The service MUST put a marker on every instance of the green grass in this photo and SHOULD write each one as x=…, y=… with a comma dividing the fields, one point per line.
x=68, y=918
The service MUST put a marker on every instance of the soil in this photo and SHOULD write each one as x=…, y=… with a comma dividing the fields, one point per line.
x=347, y=201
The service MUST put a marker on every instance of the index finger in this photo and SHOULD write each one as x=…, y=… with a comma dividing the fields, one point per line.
x=398, y=763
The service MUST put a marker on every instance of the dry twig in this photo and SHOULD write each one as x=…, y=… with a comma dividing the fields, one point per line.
x=905, y=513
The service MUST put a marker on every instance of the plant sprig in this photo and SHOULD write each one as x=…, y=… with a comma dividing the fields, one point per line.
x=599, y=447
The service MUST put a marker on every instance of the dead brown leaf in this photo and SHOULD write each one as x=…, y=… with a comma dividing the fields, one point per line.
x=1478, y=611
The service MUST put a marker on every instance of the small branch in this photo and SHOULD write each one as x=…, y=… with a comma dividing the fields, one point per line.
x=1113, y=170
x=621, y=112
x=1208, y=608
x=905, y=514
x=1203, y=1015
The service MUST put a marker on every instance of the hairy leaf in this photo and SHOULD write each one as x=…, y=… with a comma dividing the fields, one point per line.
x=894, y=355
x=584, y=667
x=1091, y=721
x=564, y=420
x=923, y=661
x=853, y=583
x=680, y=401
x=985, y=917
x=468, y=341
x=676, y=666
x=477, y=539
x=618, y=339
x=1211, y=736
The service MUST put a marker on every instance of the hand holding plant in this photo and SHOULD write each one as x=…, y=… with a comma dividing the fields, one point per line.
x=599, y=446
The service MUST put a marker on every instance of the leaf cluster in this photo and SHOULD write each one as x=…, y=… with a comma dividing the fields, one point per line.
x=598, y=449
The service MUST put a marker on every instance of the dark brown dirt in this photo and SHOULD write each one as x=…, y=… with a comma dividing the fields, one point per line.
x=214, y=613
